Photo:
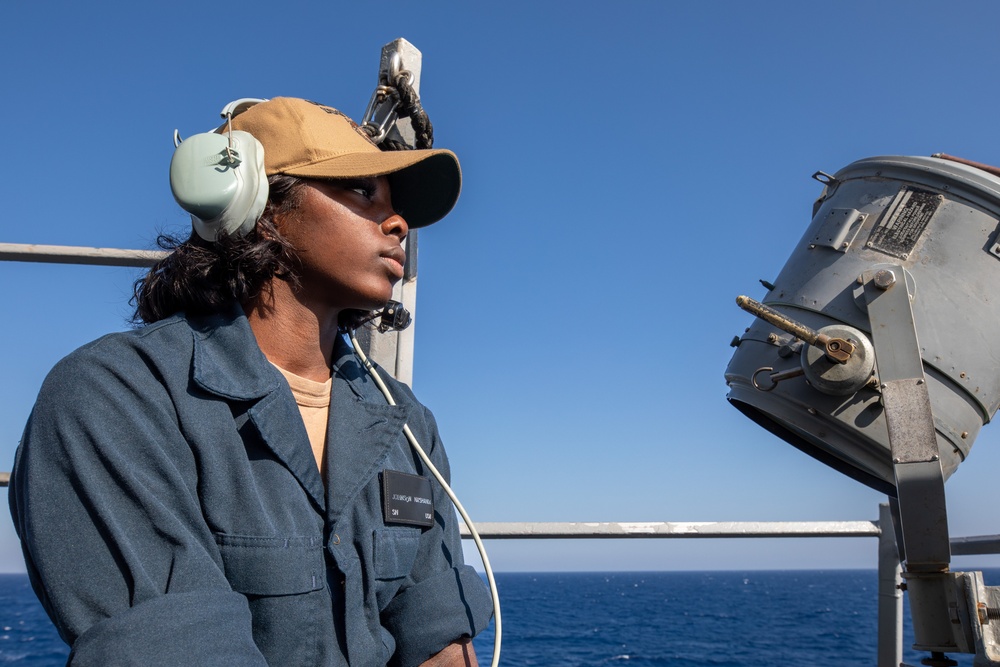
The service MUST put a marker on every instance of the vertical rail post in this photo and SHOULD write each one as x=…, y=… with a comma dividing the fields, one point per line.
x=890, y=595
x=393, y=351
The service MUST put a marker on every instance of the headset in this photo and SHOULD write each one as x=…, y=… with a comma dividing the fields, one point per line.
x=219, y=178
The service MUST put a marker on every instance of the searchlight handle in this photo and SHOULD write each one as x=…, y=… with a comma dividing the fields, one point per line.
x=838, y=350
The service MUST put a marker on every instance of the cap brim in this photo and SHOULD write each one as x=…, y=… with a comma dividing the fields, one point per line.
x=425, y=184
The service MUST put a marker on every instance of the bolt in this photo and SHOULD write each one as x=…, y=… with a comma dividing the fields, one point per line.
x=962, y=374
x=965, y=434
x=919, y=382
x=885, y=279
x=772, y=338
x=735, y=342
x=987, y=614
x=905, y=255
x=812, y=246
x=844, y=244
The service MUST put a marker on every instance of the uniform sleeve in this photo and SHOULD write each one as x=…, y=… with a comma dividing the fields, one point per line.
x=444, y=599
x=104, y=498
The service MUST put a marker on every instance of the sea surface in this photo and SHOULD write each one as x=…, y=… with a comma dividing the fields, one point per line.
x=619, y=619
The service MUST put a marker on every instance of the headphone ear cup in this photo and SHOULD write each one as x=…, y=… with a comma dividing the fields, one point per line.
x=223, y=196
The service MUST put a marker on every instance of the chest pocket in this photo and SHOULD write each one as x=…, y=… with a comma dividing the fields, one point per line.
x=272, y=565
x=395, y=551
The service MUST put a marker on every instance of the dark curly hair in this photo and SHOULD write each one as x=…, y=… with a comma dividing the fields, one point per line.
x=201, y=277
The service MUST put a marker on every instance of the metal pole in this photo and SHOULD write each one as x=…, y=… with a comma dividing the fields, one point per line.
x=393, y=351
x=62, y=254
x=890, y=594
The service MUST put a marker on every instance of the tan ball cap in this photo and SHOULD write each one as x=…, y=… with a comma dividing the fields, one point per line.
x=303, y=138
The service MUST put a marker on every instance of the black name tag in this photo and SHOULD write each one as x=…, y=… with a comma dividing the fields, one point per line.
x=406, y=499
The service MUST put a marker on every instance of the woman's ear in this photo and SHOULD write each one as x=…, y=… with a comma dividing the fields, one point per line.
x=272, y=222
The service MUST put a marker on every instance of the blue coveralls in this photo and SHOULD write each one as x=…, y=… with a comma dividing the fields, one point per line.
x=171, y=511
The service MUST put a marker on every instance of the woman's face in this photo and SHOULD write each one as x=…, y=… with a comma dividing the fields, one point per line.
x=348, y=239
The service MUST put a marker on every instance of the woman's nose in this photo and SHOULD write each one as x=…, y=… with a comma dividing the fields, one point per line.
x=396, y=225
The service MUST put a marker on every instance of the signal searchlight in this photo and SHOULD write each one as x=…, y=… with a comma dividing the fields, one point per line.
x=874, y=351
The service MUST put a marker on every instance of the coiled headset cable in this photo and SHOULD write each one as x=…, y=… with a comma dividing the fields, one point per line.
x=447, y=489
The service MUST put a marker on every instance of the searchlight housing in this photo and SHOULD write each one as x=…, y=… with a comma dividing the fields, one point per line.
x=873, y=351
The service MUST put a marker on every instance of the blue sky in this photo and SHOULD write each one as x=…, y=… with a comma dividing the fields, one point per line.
x=629, y=169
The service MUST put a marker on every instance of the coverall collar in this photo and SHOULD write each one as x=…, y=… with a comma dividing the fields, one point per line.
x=227, y=360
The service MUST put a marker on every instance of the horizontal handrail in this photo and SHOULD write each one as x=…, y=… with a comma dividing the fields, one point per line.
x=65, y=254
x=978, y=545
x=526, y=530
x=664, y=529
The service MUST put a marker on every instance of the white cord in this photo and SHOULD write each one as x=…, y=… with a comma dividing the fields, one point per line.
x=451, y=494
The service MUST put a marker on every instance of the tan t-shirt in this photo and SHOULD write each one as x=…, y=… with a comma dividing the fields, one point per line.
x=313, y=399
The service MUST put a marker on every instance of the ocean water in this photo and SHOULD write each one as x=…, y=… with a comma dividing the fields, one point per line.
x=619, y=619
x=693, y=619
x=26, y=634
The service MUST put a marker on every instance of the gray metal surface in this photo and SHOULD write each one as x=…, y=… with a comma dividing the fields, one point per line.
x=983, y=601
x=936, y=219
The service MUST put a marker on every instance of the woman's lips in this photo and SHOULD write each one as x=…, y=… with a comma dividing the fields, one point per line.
x=394, y=259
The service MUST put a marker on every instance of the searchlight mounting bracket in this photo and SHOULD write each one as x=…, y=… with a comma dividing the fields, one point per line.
x=952, y=611
x=912, y=437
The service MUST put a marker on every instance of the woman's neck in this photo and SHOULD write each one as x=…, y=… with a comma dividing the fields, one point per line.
x=296, y=336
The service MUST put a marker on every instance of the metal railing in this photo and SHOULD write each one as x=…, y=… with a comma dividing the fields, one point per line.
x=890, y=594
